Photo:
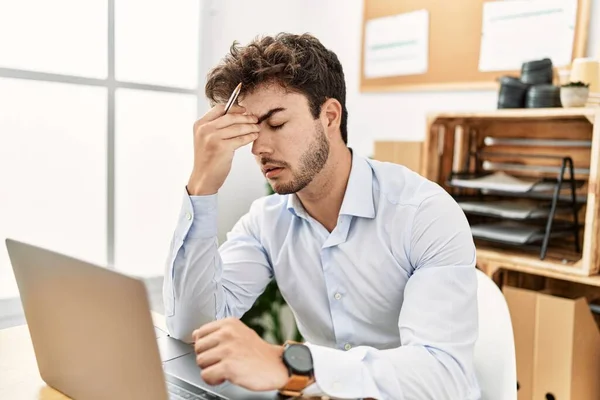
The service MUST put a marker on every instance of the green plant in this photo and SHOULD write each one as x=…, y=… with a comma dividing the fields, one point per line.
x=265, y=316
x=270, y=190
x=576, y=84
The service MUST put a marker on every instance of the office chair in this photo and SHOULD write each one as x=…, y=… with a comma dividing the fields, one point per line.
x=495, y=363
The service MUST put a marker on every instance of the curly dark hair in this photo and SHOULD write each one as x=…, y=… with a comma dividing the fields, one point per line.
x=299, y=63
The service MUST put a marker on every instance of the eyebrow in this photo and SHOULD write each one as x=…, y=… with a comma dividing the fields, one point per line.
x=269, y=114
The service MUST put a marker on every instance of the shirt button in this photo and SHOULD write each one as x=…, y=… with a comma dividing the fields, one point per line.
x=188, y=216
x=337, y=296
x=347, y=346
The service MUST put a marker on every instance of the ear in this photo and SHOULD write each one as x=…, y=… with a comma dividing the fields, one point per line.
x=331, y=115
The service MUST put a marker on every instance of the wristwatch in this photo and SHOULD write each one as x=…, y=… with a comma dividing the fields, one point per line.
x=298, y=360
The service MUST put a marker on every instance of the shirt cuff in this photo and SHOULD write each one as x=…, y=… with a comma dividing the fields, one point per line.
x=339, y=374
x=313, y=391
x=198, y=216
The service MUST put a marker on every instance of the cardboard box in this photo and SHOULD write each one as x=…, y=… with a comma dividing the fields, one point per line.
x=408, y=154
x=522, y=307
x=557, y=345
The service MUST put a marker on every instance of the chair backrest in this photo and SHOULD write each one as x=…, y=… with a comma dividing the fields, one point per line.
x=495, y=362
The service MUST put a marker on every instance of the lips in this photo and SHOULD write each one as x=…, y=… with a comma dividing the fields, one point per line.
x=272, y=172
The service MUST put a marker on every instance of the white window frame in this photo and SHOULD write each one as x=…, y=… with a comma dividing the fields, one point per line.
x=111, y=84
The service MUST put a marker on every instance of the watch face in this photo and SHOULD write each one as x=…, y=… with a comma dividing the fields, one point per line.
x=298, y=358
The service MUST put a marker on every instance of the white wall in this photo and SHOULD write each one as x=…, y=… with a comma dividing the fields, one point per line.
x=337, y=23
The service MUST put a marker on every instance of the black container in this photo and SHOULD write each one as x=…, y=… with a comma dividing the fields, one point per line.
x=543, y=96
x=512, y=93
x=537, y=72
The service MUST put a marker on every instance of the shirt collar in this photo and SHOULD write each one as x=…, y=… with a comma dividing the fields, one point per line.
x=294, y=205
x=358, y=199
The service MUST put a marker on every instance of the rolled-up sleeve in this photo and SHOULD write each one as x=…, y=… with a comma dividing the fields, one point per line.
x=438, y=322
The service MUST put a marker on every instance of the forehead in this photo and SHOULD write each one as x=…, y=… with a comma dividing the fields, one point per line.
x=267, y=97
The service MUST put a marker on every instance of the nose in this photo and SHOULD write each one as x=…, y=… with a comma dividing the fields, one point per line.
x=263, y=144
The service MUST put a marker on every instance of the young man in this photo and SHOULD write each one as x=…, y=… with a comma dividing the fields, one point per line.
x=376, y=262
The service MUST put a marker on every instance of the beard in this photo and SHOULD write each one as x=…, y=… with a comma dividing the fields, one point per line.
x=312, y=162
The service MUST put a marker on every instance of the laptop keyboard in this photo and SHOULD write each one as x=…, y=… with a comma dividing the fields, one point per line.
x=179, y=389
x=178, y=393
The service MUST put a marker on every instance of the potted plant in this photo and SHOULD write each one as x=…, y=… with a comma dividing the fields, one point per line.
x=574, y=94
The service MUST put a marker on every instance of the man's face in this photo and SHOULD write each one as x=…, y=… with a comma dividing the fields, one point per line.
x=292, y=146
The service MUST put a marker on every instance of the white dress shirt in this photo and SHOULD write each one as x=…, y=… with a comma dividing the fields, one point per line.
x=387, y=301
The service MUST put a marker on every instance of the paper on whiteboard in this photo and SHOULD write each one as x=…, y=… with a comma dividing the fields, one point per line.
x=397, y=45
x=524, y=30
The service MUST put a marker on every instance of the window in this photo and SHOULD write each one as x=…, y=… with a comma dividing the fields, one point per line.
x=53, y=169
x=61, y=36
x=159, y=45
x=97, y=100
x=153, y=159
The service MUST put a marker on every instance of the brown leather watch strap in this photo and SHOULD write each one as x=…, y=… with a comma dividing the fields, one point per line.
x=296, y=384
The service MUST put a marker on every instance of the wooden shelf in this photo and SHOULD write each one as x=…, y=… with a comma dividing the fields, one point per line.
x=566, y=274
x=491, y=260
x=589, y=113
x=452, y=136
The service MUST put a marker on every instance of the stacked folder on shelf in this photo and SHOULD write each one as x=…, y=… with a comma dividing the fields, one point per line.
x=510, y=209
x=501, y=181
x=519, y=211
x=510, y=232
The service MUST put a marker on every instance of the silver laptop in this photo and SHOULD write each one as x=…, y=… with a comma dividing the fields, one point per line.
x=93, y=335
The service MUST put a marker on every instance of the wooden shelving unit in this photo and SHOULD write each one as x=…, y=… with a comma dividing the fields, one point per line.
x=512, y=140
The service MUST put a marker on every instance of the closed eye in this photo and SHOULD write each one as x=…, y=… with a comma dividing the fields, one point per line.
x=276, y=127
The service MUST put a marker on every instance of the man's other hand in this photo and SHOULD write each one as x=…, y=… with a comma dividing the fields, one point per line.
x=227, y=350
